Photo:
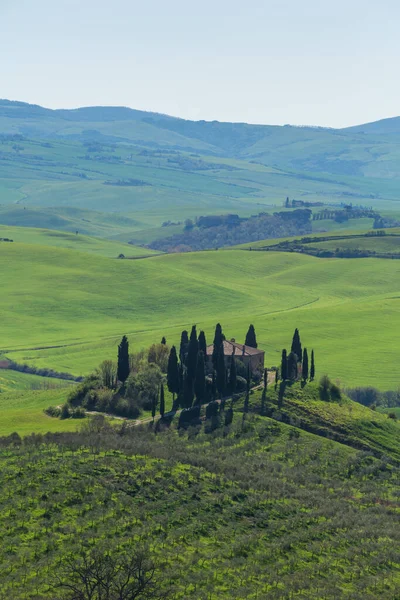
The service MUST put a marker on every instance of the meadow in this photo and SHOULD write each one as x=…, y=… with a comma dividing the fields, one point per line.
x=68, y=310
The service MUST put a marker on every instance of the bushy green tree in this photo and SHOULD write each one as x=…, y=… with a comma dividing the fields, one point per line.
x=251, y=339
x=123, y=360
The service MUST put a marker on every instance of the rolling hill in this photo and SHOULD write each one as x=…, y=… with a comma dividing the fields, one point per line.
x=67, y=310
x=152, y=168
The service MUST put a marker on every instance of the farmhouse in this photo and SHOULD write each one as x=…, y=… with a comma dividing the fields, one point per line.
x=246, y=354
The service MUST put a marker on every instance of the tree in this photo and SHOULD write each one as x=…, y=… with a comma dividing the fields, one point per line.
x=158, y=354
x=202, y=343
x=296, y=345
x=292, y=361
x=265, y=379
x=184, y=345
x=162, y=401
x=163, y=340
x=284, y=366
x=191, y=359
x=173, y=373
x=154, y=406
x=304, y=371
x=251, y=339
x=200, y=379
x=111, y=574
x=108, y=373
x=287, y=203
x=221, y=372
x=232, y=375
x=187, y=392
x=218, y=342
x=123, y=360
x=312, y=369
x=276, y=378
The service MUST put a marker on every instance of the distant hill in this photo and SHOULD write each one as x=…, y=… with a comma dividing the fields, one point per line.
x=155, y=168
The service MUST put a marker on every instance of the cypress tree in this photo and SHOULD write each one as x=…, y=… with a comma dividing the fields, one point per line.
x=276, y=378
x=304, y=371
x=163, y=341
x=248, y=378
x=292, y=366
x=214, y=386
x=191, y=359
x=187, y=392
x=232, y=375
x=284, y=369
x=200, y=379
x=218, y=342
x=202, y=343
x=154, y=406
x=251, y=339
x=221, y=373
x=162, y=401
x=265, y=379
x=296, y=345
x=312, y=370
x=123, y=360
x=173, y=373
x=184, y=345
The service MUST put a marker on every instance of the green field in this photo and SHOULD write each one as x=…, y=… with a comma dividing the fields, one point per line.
x=72, y=241
x=67, y=310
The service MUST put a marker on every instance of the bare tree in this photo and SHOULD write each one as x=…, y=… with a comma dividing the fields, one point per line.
x=109, y=575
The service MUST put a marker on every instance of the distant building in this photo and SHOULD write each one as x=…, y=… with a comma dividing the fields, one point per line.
x=245, y=354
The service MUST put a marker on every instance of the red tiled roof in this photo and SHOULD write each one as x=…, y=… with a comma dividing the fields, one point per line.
x=230, y=347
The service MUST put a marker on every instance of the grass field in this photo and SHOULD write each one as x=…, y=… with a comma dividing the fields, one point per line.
x=71, y=241
x=67, y=310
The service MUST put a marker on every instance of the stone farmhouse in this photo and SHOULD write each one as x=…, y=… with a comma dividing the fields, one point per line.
x=245, y=354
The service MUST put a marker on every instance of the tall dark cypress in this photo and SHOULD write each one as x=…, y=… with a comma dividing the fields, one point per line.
x=154, y=406
x=232, y=375
x=292, y=366
x=202, y=343
x=304, y=370
x=312, y=369
x=221, y=372
x=200, y=379
x=265, y=379
x=162, y=401
x=251, y=339
x=184, y=345
x=284, y=369
x=191, y=359
x=123, y=360
x=163, y=340
x=173, y=373
x=218, y=342
x=187, y=392
x=276, y=378
x=296, y=345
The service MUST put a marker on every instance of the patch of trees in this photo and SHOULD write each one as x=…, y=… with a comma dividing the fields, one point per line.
x=372, y=398
x=228, y=230
x=42, y=372
x=126, y=182
x=5, y=240
x=297, y=365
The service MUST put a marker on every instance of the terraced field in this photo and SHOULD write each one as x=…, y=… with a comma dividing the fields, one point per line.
x=67, y=310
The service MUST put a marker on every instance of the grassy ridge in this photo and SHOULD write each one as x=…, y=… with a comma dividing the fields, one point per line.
x=79, y=305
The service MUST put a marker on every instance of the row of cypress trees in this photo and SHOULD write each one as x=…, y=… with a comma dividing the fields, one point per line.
x=296, y=364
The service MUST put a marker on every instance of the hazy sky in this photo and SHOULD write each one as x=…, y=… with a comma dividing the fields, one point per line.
x=318, y=62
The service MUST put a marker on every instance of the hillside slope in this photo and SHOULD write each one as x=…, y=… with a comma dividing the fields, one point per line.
x=80, y=305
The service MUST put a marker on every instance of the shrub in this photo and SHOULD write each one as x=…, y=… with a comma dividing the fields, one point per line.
x=392, y=415
x=53, y=411
x=65, y=411
x=327, y=390
x=241, y=384
x=212, y=409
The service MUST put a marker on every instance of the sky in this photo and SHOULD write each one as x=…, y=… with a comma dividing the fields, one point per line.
x=314, y=62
